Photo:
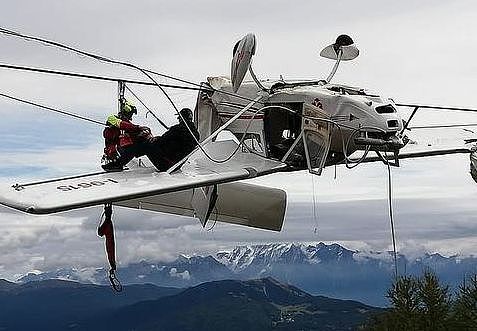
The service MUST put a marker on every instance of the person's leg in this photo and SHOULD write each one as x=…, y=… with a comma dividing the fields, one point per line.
x=158, y=161
x=126, y=154
x=155, y=156
x=140, y=148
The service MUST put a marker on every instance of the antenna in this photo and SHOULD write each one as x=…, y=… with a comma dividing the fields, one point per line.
x=243, y=51
x=343, y=49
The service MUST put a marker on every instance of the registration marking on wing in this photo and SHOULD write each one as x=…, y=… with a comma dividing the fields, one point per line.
x=88, y=184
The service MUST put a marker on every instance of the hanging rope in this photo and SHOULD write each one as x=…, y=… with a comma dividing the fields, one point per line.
x=391, y=216
x=315, y=230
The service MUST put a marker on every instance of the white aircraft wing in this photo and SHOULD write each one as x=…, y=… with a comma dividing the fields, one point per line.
x=417, y=153
x=433, y=145
x=93, y=189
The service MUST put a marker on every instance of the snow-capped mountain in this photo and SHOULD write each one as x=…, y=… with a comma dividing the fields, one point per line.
x=183, y=272
x=242, y=257
x=330, y=270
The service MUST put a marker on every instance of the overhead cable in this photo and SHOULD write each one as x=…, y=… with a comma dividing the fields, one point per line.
x=102, y=59
x=109, y=60
x=96, y=77
x=149, y=110
x=63, y=112
x=146, y=72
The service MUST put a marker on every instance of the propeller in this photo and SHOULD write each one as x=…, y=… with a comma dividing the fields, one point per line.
x=243, y=51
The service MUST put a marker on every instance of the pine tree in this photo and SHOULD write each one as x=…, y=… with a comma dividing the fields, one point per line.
x=435, y=303
x=417, y=304
x=424, y=304
x=464, y=314
x=404, y=311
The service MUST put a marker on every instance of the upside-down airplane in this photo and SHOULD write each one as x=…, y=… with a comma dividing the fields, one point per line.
x=280, y=126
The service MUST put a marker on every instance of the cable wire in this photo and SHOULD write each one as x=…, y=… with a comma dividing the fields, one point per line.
x=149, y=111
x=52, y=109
x=146, y=72
x=95, y=77
x=105, y=59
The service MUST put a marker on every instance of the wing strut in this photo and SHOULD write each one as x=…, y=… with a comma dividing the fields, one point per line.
x=106, y=229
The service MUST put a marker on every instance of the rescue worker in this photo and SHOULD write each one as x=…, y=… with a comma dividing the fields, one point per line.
x=123, y=139
x=175, y=144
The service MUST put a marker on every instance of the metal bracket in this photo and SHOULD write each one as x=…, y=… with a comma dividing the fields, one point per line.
x=409, y=119
x=121, y=89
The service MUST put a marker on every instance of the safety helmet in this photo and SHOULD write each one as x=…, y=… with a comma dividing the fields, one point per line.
x=186, y=114
x=128, y=108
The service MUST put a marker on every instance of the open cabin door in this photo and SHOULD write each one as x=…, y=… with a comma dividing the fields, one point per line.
x=316, y=135
x=282, y=127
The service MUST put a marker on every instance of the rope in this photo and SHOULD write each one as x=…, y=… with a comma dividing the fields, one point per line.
x=391, y=216
x=314, y=204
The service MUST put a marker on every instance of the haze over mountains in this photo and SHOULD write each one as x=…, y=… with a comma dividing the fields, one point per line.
x=330, y=270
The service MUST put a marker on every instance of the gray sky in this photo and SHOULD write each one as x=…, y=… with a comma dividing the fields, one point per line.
x=411, y=51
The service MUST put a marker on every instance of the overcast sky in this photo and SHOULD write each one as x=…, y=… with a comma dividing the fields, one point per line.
x=410, y=51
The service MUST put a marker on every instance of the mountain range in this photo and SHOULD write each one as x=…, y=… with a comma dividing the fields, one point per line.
x=260, y=304
x=330, y=270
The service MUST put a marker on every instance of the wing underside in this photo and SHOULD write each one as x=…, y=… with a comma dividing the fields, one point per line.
x=237, y=203
x=94, y=189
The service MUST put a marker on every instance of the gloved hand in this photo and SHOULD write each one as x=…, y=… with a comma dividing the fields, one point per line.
x=144, y=133
x=144, y=129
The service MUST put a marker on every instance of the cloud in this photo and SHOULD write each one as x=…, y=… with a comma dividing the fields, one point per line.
x=433, y=198
x=69, y=239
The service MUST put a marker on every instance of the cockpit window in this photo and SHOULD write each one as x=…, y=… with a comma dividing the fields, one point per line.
x=387, y=109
